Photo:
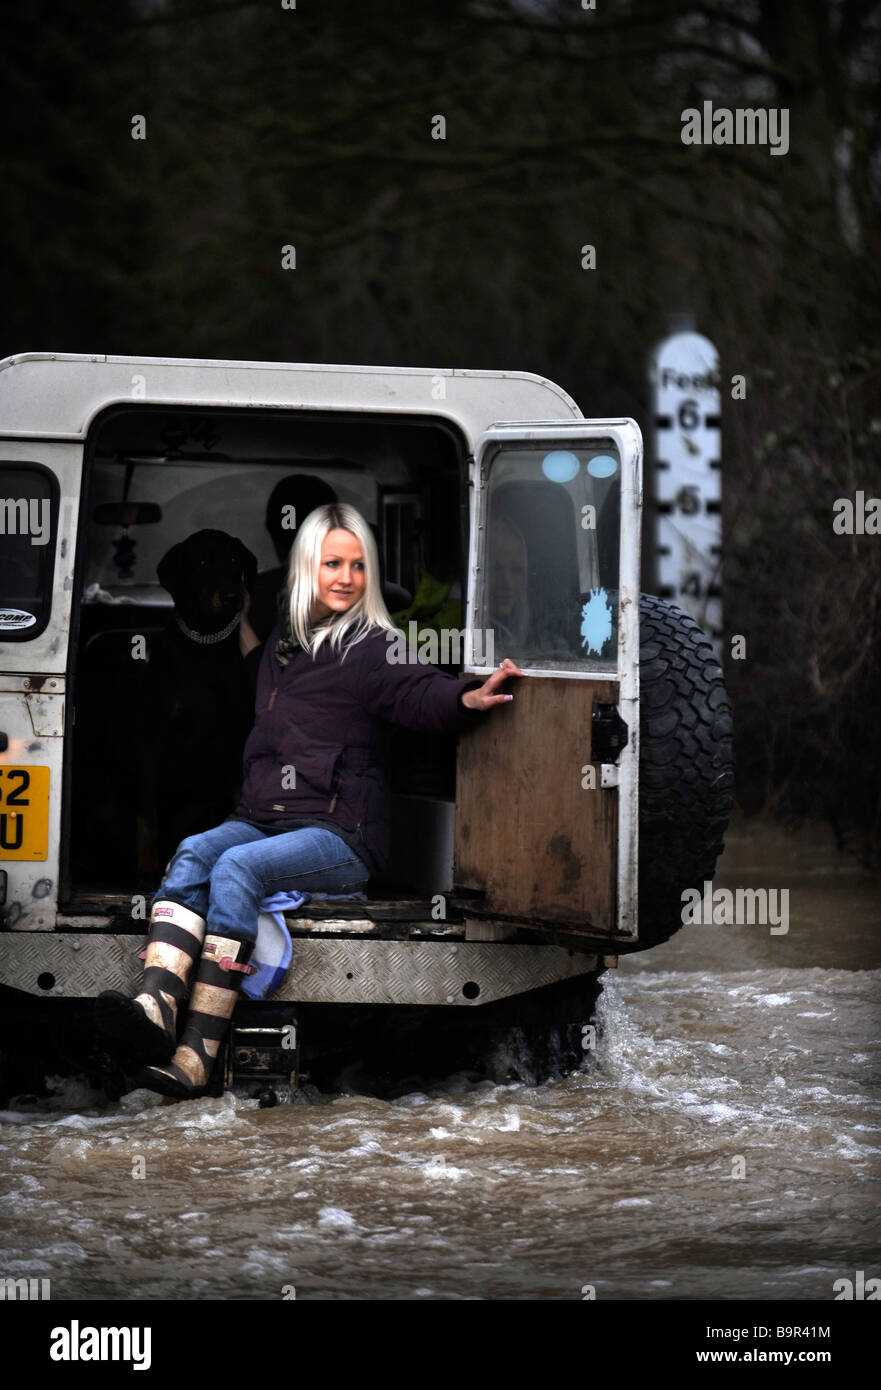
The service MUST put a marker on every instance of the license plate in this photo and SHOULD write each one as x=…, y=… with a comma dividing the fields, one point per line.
x=24, y=812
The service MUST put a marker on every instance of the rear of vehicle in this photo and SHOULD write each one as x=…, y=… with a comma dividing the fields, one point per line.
x=514, y=868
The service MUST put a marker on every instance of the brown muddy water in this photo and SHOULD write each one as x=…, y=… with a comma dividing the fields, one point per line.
x=721, y=1143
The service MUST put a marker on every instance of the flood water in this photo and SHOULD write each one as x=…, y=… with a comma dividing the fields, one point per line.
x=722, y=1142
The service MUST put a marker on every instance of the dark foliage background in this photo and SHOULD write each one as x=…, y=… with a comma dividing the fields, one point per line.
x=269, y=126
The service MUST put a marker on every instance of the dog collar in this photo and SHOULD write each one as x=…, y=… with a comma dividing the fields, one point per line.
x=208, y=639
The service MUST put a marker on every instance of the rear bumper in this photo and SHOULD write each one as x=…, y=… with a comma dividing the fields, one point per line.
x=324, y=970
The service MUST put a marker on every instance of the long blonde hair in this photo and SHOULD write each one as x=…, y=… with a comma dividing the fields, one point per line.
x=367, y=615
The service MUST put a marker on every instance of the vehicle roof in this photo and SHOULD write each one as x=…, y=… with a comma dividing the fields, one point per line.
x=57, y=395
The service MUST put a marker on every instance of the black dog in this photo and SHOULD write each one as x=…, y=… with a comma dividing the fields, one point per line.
x=202, y=704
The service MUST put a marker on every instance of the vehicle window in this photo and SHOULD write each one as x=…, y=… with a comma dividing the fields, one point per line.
x=548, y=587
x=229, y=496
x=28, y=528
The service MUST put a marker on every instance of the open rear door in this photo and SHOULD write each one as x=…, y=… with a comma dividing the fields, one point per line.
x=547, y=788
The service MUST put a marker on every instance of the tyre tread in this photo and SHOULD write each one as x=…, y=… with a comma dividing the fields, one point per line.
x=686, y=765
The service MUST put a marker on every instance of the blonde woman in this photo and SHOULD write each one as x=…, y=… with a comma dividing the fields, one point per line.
x=313, y=809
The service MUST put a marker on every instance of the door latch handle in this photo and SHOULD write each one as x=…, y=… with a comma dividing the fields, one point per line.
x=609, y=734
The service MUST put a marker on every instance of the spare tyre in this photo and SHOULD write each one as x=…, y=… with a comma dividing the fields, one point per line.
x=686, y=765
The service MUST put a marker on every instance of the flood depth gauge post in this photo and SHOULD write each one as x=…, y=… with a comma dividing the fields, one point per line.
x=687, y=475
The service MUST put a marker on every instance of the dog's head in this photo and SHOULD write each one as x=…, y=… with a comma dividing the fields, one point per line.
x=205, y=575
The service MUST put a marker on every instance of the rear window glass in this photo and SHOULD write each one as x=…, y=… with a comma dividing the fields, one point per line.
x=549, y=578
x=28, y=528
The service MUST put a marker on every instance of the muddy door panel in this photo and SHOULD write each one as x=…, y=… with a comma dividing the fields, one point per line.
x=546, y=788
x=536, y=832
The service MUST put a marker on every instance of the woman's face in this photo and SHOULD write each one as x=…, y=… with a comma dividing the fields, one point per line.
x=341, y=575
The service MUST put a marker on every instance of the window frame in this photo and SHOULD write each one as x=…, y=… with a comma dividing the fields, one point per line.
x=625, y=437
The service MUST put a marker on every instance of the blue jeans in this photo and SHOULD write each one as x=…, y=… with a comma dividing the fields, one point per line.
x=224, y=874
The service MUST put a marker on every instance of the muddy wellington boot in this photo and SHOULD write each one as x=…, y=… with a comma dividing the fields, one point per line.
x=219, y=977
x=147, y=1024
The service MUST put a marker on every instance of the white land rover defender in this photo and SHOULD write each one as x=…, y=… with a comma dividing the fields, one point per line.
x=526, y=856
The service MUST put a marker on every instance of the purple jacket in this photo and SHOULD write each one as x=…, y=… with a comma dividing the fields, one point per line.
x=317, y=747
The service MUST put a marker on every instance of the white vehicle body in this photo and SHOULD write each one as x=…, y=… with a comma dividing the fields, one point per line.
x=55, y=940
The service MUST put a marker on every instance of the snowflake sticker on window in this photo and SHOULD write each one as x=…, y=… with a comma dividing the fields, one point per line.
x=596, y=621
